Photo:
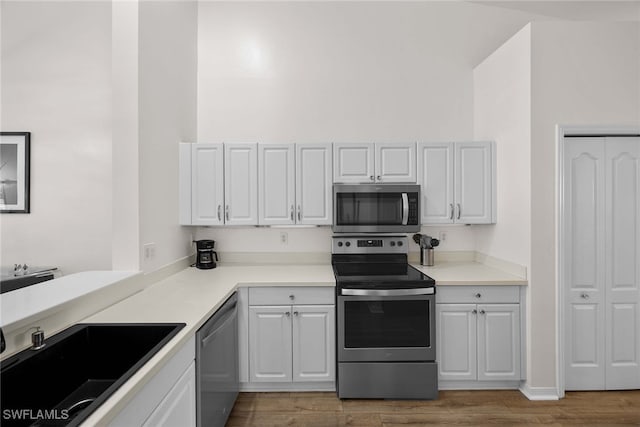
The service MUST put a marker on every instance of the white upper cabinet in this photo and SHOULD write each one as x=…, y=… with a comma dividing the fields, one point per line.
x=276, y=195
x=457, y=182
x=295, y=184
x=241, y=184
x=379, y=162
x=201, y=184
x=314, y=191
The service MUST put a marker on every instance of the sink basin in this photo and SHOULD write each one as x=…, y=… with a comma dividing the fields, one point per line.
x=78, y=369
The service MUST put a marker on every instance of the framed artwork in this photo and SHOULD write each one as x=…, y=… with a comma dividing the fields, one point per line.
x=14, y=172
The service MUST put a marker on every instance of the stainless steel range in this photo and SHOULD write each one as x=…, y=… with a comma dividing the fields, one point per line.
x=385, y=320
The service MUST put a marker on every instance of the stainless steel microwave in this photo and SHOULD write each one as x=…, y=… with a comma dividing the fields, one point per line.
x=376, y=208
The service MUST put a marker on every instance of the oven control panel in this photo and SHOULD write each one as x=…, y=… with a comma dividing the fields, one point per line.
x=359, y=244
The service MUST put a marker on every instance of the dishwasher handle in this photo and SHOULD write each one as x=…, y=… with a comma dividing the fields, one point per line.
x=225, y=319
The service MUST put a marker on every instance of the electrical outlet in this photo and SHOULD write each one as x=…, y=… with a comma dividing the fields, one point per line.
x=149, y=251
x=442, y=236
x=284, y=238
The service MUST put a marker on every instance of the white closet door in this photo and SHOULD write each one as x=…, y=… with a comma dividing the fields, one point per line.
x=584, y=172
x=622, y=250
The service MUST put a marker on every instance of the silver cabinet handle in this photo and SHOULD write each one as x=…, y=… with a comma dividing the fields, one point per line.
x=378, y=178
x=459, y=210
x=295, y=313
x=451, y=211
x=584, y=296
x=299, y=213
x=291, y=213
x=474, y=311
x=482, y=311
x=219, y=210
x=478, y=295
x=226, y=212
x=288, y=314
x=292, y=297
x=372, y=178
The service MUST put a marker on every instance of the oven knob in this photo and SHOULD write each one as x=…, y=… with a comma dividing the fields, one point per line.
x=348, y=244
x=399, y=242
x=393, y=243
x=339, y=244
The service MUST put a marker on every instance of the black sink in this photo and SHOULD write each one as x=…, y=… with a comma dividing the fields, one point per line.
x=78, y=369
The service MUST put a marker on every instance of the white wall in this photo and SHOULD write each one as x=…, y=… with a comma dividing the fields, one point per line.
x=167, y=88
x=582, y=74
x=340, y=71
x=56, y=83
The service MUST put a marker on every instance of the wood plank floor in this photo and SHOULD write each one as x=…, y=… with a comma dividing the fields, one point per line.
x=475, y=408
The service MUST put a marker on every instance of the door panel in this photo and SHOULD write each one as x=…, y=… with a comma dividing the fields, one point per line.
x=623, y=263
x=207, y=184
x=276, y=184
x=473, y=182
x=395, y=162
x=241, y=184
x=584, y=171
x=314, y=194
x=353, y=163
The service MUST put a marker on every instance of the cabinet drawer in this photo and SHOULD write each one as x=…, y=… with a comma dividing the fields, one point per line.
x=477, y=294
x=287, y=295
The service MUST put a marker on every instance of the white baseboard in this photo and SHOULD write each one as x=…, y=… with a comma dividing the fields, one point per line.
x=539, y=393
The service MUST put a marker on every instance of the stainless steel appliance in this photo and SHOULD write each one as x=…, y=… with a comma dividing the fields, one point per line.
x=20, y=276
x=376, y=208
x=217, y=377
x=386, y=345
x=206, y=257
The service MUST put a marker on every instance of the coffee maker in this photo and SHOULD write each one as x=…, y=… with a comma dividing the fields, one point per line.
x=206, y=257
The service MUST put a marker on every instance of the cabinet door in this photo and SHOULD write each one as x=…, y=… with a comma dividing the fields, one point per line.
x=314, y=343
x=395, y=162
x=584, y=275
x=456, y=345
x=241, y=184
x=498, y=342
x=207, y=184
x=314, y=195
x=435, y=176
x=622, y=253
x=276, y=184
x=474, y=185
x=353, y=163
x=178, y=408
x=270, y=343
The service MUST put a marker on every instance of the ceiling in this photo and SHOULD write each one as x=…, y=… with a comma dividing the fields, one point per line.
x=573, y=10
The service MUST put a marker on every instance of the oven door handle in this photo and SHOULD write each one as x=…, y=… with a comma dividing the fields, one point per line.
x=405, y=209
x=388, y=292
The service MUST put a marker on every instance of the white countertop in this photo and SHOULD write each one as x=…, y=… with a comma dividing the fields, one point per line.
x=192, y=296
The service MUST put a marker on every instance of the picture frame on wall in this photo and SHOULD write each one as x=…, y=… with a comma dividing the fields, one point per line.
x=14, y=171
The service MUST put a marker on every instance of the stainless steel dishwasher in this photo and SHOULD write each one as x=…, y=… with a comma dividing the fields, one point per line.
x=217, y=365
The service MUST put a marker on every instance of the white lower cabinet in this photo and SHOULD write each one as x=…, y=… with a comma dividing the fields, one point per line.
x=169, y=398
x=479, y=344
x=291, y=339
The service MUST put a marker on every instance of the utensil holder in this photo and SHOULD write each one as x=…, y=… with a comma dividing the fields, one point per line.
x=426, y=257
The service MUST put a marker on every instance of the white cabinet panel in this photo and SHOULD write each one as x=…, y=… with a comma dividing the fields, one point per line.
x=457, y=181
x=313, y=343
x=207, y=184
x=499, y=342
x=395, y=162
x=270, y=349
x=276, y=184
x=456, y=347
x=178, y=408
x=314, y=174
x=435, y=174
x=241, y=184
x=353, y=163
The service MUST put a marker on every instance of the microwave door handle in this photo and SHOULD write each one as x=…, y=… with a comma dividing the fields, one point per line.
x=405, y=209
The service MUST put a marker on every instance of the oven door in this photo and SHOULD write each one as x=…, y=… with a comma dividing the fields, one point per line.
x=380, y=328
